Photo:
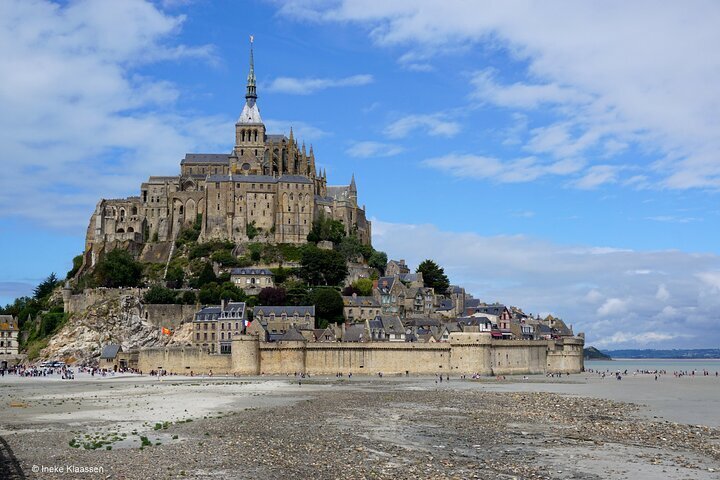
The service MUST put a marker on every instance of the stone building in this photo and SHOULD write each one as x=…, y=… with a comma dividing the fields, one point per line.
x=9, y=330
x=252, y=280
x=358, y=308
x=267, y=188
x=278, y=320
x=215, y=326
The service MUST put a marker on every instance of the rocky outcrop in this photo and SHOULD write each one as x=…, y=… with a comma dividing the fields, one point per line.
x=113, y=320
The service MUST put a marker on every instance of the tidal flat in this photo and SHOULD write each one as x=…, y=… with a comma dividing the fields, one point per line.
x=574, y=427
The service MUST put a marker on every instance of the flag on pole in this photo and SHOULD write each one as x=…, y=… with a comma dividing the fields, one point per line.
x=166, y=331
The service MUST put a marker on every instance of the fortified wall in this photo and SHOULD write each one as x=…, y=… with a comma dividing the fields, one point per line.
x=465, y=353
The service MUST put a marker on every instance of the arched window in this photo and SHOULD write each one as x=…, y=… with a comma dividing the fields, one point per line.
x=122, y=214
x=130, y=230
x=181, y=209
x=134, y=210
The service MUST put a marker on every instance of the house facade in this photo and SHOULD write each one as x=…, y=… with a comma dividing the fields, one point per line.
x=9, y=331
x=252, y=280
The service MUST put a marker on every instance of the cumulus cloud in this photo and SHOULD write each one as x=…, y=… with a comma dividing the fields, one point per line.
x=78, y=122
x=373, y=149
x=307, y=86
x=652, y=83
x=673, y=303
x=514, y=171
x=436, y=124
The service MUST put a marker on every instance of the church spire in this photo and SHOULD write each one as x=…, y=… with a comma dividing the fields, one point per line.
x=251, y=87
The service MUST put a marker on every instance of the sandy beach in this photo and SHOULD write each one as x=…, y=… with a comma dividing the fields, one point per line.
x=578, y=426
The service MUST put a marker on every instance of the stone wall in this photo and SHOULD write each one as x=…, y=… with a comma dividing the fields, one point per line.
x=168, y=316
x=91, y=296
x=183, y=360
x=466, y=353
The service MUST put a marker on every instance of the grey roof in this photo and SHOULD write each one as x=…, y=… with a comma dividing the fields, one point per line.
x=385, y=284
x=544, y=329
x=473, y=321
x=423, y=322
x=294, y=179
x=232, y=310
x=453, y=327
x=162, y=179
x=254, y=178
x=409, y=277
x=219, y=158
x=360, y=301
x=292, y=335
x=391, y=324
x=446, y=304
x=290, y=311
x=354, y=333
x=110, y=351
x=250, y=271
x=338, y=192
x=276, y=137
x=454, y=289
x=494, y=309
x=472, y=302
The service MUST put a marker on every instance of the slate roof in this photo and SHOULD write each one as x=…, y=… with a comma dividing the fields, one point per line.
x=472, y=302
x=250, y=271
x=495, y=309
x=445, y=304
x=207, y=158
x=276, y=138
x=213, y=313
x=110, y=351
x=474, y=321
x=360, y=301
x=288, y=310
x=294, y=179
x=338, y=192
x=385, y=284
x=422, y=322
x=354, y=333
x=292, y=335
x=409, y=277
x=390, y=324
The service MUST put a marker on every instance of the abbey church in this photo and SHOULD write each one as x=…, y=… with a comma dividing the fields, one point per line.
x=266, y=189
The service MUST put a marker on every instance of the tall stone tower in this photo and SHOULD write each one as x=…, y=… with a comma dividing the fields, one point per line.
x=249, y=129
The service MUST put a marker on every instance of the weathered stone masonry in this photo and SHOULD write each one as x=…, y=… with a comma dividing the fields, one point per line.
x=465, y=353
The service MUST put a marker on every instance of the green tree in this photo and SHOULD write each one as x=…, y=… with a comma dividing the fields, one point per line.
x=118, y=269
x=204, y=276
x=379, y=261
x=188, y=297
x=296, y=293
x=364, y=286
x=230, y=291
x=328, y=305
x=224, y=258
x=251, y=230
x=269, y=296
x=157, y=294
x=434, y=276
x=175, y=275
x=322, y=267
x=209, y=294
x=77, y=263
x=46, y=287
x=326, y=229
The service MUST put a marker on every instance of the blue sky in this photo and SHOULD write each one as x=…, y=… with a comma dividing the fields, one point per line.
x=564, y=159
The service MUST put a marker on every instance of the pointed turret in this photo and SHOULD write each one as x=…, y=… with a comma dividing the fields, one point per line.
x=250, y=113
x=292, y=137
x=311, y=166
x=353, y=187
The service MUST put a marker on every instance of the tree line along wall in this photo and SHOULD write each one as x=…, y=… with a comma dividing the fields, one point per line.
x=466, y=353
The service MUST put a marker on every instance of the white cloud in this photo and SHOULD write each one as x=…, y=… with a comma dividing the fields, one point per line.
x=662, y=293
x=374, y=149
x=673, y=219
x=597, y=175
x=302, y=131
x=78, y=123
x=652, y=82
x=588, y=286
x=515, y=171
x=436, y=124
x=307, y=86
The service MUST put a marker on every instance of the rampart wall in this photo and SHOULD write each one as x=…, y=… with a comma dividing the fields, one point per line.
x=465, y=353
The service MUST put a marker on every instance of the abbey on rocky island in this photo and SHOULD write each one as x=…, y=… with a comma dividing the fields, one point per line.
x=266, y=189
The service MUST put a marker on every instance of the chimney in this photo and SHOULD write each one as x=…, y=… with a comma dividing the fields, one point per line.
x=222, y=304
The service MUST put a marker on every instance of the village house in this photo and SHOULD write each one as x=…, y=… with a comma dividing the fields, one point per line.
x=9, y=331
x=386, y=328
x=419, y=301
x=277, y=320
x=396, y=268
x=357, y=308
x=214, y=326
x=252, y=280
x=391, y=293
x=108, y=357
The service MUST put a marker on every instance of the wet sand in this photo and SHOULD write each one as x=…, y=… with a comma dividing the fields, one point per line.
x=579, y=426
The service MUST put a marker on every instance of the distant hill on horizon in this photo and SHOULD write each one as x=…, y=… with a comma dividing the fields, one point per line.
x=698, y=353
x=592, y=353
